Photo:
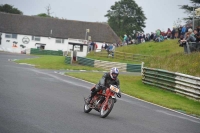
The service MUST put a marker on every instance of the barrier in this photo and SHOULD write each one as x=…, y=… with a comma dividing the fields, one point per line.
x=46, y=52
x=107, y=65
x=68, y=60
x=179, y=83
x=85, y=61
x=121, y=55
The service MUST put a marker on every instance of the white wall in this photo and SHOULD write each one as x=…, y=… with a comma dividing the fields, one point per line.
x=99, y=45
x=7, y=44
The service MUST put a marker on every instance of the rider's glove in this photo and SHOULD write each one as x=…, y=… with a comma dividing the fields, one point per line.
x=119, y=95
x=102, y=87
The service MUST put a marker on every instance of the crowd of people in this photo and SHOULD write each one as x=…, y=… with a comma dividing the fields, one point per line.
x=188, y=38
x=159, y=36
x=185, y=34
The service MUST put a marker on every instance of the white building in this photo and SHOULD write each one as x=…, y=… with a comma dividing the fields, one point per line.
x=19, y=32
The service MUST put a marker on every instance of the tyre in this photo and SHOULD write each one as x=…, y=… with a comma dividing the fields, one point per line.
x=106, y=109
x=87, y=108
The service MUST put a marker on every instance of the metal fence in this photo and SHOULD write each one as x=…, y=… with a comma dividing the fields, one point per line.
x=68, y=60
x=179, y=83
x=45, y=52
x=107, y=65
x=121, y=55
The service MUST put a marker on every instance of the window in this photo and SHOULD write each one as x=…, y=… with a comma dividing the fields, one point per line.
x=36, y=38
x=60, y=40
x=11, y=36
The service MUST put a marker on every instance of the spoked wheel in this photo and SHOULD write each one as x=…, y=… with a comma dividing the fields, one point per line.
x=87, y=108
x=106, y=108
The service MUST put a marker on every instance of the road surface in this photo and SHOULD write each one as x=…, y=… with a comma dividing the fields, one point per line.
x=42, y=101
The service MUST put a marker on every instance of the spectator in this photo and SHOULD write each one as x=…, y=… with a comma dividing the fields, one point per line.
x=168, y=33
x=130, y=39
x=164, y=35
x=183, y=30
x=92, y=44
x=103, y=45
x=187, y=27
x=191, y=37
x=95, y=46
x=198, y=29
x=173, y=33
x=125, y=39
x=0, y=38
x=157, y=32
x=138, y=38
x=197, y=36
x=147, y=37
x=143, y=38
x=152, y=36
x=176, y=32
x=179, y=31
x=110, y=50
x=106, y=46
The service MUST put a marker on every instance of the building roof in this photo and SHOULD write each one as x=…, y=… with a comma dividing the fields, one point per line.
x=41, y=26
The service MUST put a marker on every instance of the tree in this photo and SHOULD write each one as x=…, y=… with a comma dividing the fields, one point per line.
x=48, y=8
x=9, y=9
x=125, y=17
x=189, y=9
x=48, y=14
x=43, y=15
x=177, y=23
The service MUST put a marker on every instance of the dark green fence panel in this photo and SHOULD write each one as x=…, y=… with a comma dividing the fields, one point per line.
x=68, y=60
x=86, y=61
x=133, y=68
x=46, y=52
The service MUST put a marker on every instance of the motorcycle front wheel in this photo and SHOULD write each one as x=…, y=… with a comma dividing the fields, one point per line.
x=87, y=108
x=106, y=108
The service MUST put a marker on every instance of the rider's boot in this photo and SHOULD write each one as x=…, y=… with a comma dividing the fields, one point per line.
x=93, y=93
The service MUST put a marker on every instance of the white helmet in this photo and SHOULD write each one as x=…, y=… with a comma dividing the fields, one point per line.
x=114, y=72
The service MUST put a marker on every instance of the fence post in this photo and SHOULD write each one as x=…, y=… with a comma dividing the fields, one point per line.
x=142, y=65
x=72, y=52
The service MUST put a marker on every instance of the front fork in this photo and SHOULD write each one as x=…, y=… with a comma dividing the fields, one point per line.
x=106, y=101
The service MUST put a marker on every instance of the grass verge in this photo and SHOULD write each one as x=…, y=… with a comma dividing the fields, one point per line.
x=164, y=48
x=132, y=85
x=165, y=55
x=180, y=62
x=54, y=62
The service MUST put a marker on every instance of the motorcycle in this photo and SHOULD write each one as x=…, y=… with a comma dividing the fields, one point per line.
x=103, y=101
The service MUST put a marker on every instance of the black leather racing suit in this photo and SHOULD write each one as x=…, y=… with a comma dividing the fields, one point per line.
x=104, y=83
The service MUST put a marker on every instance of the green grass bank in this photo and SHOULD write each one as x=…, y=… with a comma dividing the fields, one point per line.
x=165, y=55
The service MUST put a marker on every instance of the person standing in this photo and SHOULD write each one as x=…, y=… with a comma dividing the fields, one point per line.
x=179, y=31
x=173, y=32
x=92, y=44
x=168, y=33
x=125, y=39
x=183, y=30
x=103, y=45
x=0, y=38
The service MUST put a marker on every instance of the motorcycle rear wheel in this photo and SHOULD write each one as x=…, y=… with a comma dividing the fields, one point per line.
x=104, y=113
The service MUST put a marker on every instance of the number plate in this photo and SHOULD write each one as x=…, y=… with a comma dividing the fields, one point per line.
x=114, y=89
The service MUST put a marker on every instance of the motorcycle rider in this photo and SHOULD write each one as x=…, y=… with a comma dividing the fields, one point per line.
x=105, y=82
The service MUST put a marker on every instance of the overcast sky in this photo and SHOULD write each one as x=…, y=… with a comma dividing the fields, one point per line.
x=160, y=14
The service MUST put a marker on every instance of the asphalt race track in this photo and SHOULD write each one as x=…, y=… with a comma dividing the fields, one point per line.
x=42, y=101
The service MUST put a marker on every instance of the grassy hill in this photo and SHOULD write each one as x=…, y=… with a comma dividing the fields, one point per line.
x=163, y=55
